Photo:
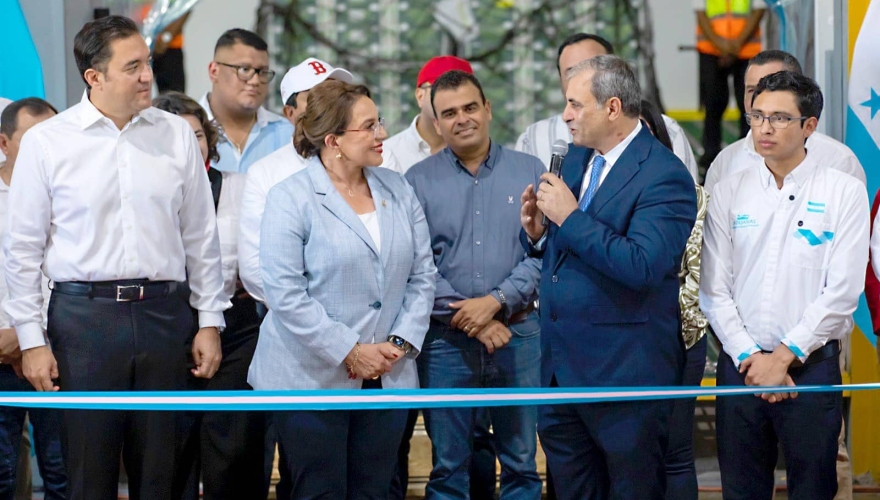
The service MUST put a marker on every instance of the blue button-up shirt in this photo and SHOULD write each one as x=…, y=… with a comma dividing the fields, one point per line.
x=475, y=225
x=269, y=134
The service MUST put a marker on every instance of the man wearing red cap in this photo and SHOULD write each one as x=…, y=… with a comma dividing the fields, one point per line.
x=420, y=140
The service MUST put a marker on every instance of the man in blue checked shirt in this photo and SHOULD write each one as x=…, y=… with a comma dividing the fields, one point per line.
x=786, y=244
x=484, y=330
x=240, y=77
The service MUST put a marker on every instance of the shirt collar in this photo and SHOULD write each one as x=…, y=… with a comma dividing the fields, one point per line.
x=90, y=115
x=612, y=156
x=264, y=117
x=416, y=137
x=799, y=175
x=490, y=161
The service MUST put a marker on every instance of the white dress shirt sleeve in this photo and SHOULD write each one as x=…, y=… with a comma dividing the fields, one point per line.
x=28, y=227
x=849, y=164
x=716, y=282
x=523, y=145
x=201, y=245
x=682, y=147
x=253, y=202
x=844, y=282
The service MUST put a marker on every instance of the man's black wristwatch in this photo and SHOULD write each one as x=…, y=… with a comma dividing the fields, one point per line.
x=400, y=343
x=502, y=314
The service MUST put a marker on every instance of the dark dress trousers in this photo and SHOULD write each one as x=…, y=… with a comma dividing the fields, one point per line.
x=610, y=317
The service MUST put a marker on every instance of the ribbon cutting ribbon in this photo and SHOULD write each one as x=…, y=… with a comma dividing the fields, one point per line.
x=379, y=399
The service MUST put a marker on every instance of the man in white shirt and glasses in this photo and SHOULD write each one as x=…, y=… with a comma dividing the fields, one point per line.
x=786, y=245
x=113, y=203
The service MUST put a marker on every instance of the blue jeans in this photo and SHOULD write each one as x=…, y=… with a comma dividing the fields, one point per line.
x=449, y=359
x=681, y=473
x=47, y=441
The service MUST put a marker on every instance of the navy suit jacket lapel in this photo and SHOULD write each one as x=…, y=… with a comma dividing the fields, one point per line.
x=623, y=170
x=574, y=166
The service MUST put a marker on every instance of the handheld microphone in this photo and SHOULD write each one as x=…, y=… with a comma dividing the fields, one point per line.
x=559, y=150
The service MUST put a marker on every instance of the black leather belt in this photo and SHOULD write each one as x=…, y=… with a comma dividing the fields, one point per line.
x=120, y=291
x=831, y=349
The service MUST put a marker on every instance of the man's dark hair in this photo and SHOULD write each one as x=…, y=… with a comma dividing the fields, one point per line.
x=452, y=80
x=242, y=36
x=91, y=46
x=291, y=101
x=34, y=106
x=580, y=37
x=789, y=62
x=806, y=91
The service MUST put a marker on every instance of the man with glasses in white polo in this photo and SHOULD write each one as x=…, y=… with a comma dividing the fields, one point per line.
x=240, y=77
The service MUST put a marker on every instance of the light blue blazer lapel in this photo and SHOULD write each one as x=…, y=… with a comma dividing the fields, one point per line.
x=383, y=199
x=332, y=201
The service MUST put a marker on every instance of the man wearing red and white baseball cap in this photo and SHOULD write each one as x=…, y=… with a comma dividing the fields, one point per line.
x=303, y=77
x=284, y=162
x=420, y=140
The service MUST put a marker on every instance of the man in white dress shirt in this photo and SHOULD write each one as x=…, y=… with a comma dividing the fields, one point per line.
x=539, y=137
x=421, y=139
x=786, y=244
x=277, y=166
x=741, y=155
x=113, y=204
x=828, y=153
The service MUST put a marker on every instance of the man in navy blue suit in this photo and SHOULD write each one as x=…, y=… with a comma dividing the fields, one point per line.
x=620, y=216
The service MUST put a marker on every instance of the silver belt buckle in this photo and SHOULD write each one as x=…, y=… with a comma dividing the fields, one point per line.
x=120, y=289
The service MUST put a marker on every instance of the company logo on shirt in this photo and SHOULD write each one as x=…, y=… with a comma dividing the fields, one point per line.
x=812, y=238
x=744, y=220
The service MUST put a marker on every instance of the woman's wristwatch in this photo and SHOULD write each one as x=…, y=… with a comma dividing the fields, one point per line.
x=400, y=343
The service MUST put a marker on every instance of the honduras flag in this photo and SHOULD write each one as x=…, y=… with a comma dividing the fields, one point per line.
x=863, y=124
x=21, y=74
x=863, y=114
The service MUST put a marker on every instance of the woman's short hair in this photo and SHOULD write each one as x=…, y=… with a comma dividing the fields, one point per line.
x=328, y=111
x=182, y=104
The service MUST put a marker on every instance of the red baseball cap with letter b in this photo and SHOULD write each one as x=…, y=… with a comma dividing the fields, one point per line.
x=439, y=65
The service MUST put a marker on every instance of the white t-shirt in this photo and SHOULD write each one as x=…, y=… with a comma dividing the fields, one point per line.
x=371, y=222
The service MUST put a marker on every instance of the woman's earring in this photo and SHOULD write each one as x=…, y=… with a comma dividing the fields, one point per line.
x=339, y=155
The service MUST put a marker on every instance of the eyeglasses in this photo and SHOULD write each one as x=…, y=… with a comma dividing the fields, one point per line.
x=755, y=120
x=374, y=128
x=245, y=73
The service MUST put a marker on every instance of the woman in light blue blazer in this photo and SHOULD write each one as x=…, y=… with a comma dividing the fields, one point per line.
x=349, y=278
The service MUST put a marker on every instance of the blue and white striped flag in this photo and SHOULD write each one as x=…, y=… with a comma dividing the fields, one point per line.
x=863, y=114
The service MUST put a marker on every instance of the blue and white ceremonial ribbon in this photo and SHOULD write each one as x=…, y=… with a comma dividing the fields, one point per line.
x=378, y=399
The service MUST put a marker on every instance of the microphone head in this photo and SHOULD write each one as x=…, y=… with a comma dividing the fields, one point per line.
x=560, y=147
